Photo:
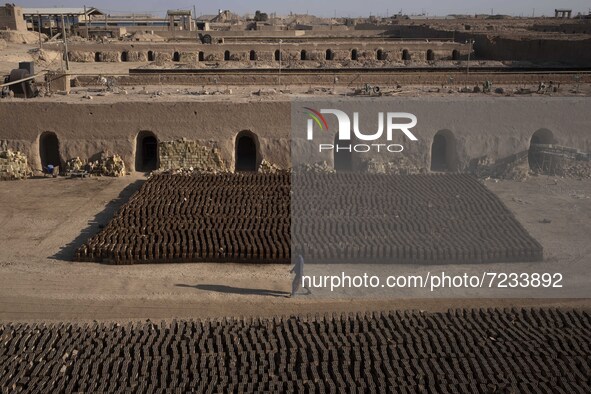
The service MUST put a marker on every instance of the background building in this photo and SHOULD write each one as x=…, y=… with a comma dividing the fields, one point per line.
x=11, y=17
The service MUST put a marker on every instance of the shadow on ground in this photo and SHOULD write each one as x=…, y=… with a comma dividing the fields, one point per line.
x=67, y=252
x=237, y=290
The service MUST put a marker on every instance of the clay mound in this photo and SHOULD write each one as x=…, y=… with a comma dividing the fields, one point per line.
x=44, y=58
x=145, y=37
x=21, y=37
x=76, y=39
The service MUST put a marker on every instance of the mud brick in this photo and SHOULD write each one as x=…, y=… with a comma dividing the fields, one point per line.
x=116, y=356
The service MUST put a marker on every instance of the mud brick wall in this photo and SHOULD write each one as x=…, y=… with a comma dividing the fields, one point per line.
x=137, y=56
x=87, y=128
x=81, y=56
x=184, y=154
x=189, y=51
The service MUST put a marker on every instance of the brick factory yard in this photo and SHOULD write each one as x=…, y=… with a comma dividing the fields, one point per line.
x=111, y=281
x=43, y=221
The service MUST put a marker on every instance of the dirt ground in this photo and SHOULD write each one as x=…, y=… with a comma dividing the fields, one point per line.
x=43, y=220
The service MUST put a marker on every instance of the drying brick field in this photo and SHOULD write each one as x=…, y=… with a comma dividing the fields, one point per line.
x=191, y=218
x=462, y=351
x=414, y=219
x=331, y=218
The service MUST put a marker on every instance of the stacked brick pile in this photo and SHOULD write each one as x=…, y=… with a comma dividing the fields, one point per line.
x=459, y=351
x=75, y=165
x=107, y=165
x=111, y=165
x=13, y=165
x=402, y=166
x=267, y=167
x=256, y=218
x=315, y=168
x=199, y=218
x=352, y=218
x=193, y=155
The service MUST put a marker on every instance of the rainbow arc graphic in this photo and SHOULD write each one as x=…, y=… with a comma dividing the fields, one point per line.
x=318, y=118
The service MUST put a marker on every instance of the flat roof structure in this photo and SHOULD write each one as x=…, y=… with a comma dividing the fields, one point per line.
x=73, y=11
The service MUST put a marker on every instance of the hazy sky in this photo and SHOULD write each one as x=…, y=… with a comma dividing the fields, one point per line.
x=327, y=7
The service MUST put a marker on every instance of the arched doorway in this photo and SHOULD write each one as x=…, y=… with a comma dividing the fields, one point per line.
x=97, y=57
x=329, y=54
x=343, y=155
x=443, y=152
x=49, y=149
x=278, y=55
x=354, y=55
x=542, y=136
x=380, y=54
x=124, y=56
x=455, y=55
x=201, y=56
x=430, y=55
x=146, y=152
x=303, y=55
x=247, y=152
x=253, y=55
x=227, y=55
x=176, y=57
x=538, y=161
x=150, y=56
x=405, y=55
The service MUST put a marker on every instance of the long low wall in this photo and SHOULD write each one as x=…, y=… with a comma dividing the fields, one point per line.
x=183, y=52
x=84, y=130
x=507, y=47
x=341, y=77
x=495, y=128
x=453, y=134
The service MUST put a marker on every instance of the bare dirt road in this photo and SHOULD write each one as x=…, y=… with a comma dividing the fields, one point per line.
x=42, y=221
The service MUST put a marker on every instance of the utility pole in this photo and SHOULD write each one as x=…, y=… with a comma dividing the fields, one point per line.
x=87, y=20
x=471, y=42
x=39, y=22
x=334, y=19
x=65, y=44
x=280, y=59
x=194, y=21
